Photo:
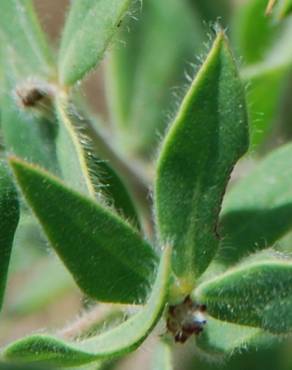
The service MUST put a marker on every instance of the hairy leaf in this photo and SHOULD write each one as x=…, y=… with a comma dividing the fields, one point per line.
x=106, y=257
x=9, y=216
x=90, y=26
x=120, y=340
x=82, y=169
x=258, y=209
x=257, y=293
x=206, y=139
x=220, y=338
x=20, y=30
x=139, y=83
x=116, y=192
x=72, y=152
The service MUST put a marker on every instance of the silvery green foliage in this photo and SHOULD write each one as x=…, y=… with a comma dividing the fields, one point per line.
x=202, y=264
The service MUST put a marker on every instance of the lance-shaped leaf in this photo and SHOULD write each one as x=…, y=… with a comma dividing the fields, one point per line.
x=9, y=215
x=139, y=84
x=82, y=169
x=258, y=210
x=20, y=29
x=106, y=257
x=72, y=152
x=118, y=341
x=257, y=293
x=90, y=26
x=162, y=359
x=206, y=139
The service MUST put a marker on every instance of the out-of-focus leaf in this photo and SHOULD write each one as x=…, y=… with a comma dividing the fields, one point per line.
x=142, y=72
x=258, y=209
x=206, y=139
x=286, y=8
x=120, y=340
x=267, y=81
x=27, y=133
x=9, y=215
x=90, y=26
x=21, y=31
x=211, y=11
x=48, y=282
x=262, y=44
x=257, y=293
x=27, y=62
x=29, y=244
x=280, y=8
x=252, y=32
x=107, y=258
x=162, y=359
x=6, y=366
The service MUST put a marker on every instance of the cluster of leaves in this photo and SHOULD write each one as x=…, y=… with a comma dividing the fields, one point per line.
x=92, y=203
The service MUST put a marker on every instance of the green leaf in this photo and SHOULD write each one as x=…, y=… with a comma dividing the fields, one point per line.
x=27, y=132
x=21, y=31
x=280, y=8
x=9, y=216
x=258, y=209
x=211, y=11
x=267, y=86
x=90, y=26
x=72, y=154
x=286, y=8
x=106, y=257
x=116, y=193
x=118, y=341
x=257, y=293
x=266, y=61
x=206, y=139
x=162, y=359
x=82, y=169
x=139, y=83
x=252, y=32
x=267, y=80
x=26, y=61
x=223, y=338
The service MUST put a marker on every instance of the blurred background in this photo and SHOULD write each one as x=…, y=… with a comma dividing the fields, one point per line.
x=134, y=95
